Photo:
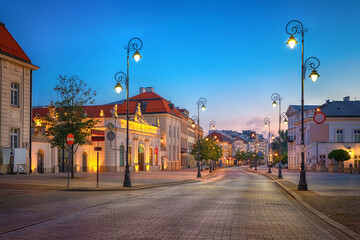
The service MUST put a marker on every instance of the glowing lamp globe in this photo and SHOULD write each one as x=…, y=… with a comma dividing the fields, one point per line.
x=274, y=104
x=203, y=107
x=314, y=75
x=291, y=42
x=118, y=88
x=137, y=56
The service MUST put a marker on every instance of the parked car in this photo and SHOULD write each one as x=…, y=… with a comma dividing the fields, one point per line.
x=277, y=165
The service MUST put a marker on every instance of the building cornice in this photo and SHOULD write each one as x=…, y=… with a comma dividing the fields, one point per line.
x=17, y=60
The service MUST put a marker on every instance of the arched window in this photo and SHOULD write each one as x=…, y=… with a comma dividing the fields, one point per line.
x=15, y=94
x=122, y=151
x=156, y=157
x=151, y=156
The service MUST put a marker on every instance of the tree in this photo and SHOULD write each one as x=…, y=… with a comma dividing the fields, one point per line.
x=208, y=150
x=340, y=155
x=73, y=94
x=280, y=145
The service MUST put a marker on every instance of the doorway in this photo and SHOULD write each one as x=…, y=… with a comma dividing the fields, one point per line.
x=141, y=158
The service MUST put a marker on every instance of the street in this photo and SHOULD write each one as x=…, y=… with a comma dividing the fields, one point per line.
x=235, y=204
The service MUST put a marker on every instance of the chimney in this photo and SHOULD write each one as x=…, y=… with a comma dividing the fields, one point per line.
x=347, y=98
x=142, y=90
x=327, y=100
x=149, y=89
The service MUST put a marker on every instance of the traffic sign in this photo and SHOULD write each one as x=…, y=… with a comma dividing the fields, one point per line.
x=97, y=138
x=70, y=139
x=110, y=136
x=110, y=126
x=97, y=148
x=319, y=117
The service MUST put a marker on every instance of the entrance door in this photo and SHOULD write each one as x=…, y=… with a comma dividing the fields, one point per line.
x=141, y=158
x=84, y=161
x=40, y=162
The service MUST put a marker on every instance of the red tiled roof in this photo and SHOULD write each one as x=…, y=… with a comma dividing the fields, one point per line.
x=219, y=136
x=91, y=111
x=152, y=103
x=9, y=46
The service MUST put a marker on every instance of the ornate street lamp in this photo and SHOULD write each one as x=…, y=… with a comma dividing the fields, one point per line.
x=277, y=100
x=135, y=44
x=202, y=101
x=211, y=127
x=267, y=124
x=311, y=63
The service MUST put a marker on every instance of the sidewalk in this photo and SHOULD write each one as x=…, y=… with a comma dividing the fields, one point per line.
x=107, y=181
x=331, y=196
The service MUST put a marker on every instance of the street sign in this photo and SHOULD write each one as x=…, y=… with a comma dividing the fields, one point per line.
x=110, y=126
x=319, y=117
x=97, y=138
x=110, y=136
x=97, y=148
x=70, y=139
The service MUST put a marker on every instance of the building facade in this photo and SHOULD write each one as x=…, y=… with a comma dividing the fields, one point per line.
x=341, y=130
x=15, y=105
x=144, y=145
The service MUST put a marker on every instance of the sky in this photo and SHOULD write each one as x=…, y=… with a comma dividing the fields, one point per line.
x=233, y=53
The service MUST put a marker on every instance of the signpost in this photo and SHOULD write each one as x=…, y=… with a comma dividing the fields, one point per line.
x=100, y=137
x=70, y=141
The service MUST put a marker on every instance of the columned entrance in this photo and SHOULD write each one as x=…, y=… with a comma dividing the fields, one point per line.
x=141, y=161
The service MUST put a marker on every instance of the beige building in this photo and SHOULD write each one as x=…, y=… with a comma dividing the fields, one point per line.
x=15, y=105
x=144, y=144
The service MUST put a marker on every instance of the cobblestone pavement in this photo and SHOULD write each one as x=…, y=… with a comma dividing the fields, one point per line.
x=233, y=205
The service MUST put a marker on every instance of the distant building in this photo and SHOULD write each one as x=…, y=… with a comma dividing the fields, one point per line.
x=341, y=130
x=15, y=104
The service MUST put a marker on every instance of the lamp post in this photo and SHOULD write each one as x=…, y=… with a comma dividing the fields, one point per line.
x=135, y=44
x=267, y=123
x=211, y=127
x=277, y=100
x=311, y=63
x=202, y=101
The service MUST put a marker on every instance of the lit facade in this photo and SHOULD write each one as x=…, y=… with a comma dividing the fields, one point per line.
x=15, y=105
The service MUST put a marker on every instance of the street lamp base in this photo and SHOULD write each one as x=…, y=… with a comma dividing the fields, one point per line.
x=127, y=181
x=199, y=174
x=280, y=173
x=269, y=169
x=302, y=183
x=210, y=169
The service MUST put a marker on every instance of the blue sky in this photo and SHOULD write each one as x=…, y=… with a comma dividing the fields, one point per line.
x=233, y=53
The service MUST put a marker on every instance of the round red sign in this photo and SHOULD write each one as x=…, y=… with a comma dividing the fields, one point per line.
x=319, y=117
x=70, y=139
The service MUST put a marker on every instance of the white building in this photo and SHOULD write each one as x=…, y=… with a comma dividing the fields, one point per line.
x=15, y=104
x=341, y=130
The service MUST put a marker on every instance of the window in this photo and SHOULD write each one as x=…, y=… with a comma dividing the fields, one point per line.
x=174, y=154
x=174, y=132
x=15, y=137
x=169, y=131
x=357, y=135
x=14, y=94
x=151, y=156
x=339, y=135
x=178, y=133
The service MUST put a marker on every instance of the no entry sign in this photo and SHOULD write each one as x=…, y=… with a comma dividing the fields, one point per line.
x=70, y=139
x=319, y=117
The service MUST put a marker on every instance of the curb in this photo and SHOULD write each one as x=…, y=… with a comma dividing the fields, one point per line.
x=298, y=198
x=94, y=189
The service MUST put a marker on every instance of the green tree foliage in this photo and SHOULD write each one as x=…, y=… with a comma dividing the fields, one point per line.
x=72, y=95
x=340, y=155
x=280, y=145
x=208, y=151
